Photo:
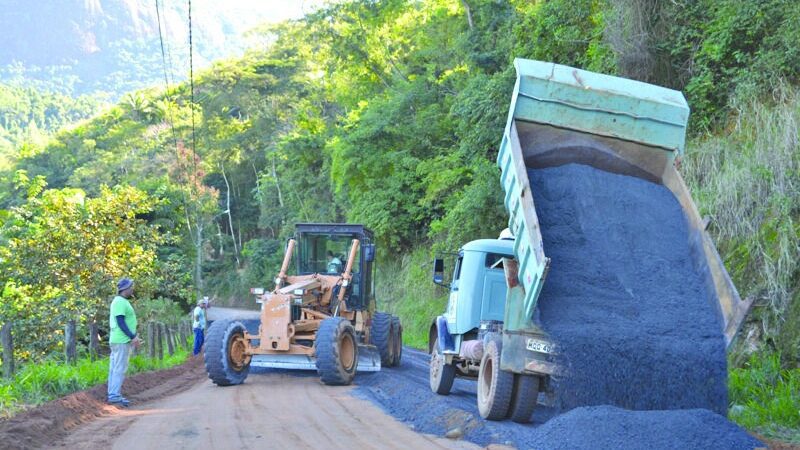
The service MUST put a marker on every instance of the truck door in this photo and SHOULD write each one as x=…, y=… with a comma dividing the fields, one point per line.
x=494, y=288
x=453, y=300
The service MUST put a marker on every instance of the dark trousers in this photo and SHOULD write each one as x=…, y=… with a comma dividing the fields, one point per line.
x=198, y=340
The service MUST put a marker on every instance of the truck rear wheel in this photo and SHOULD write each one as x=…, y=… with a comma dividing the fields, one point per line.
x=441, y=374
x=226, y=362
x=524, y=398
x=398, y=341
x=495, y=386
x=382, y=336
x=337, y=351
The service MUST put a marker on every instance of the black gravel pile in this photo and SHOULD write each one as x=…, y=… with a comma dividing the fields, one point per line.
x=403, y=392
x=623, y=300
x=609, y=427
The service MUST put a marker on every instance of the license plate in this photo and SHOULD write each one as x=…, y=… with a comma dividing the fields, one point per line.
x=539, y=346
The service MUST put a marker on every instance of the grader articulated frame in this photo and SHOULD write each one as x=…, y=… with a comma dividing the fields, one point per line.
x=317, y=319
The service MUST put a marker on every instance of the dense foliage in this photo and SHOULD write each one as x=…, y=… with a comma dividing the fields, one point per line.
x=389, y=113
x=27, y=116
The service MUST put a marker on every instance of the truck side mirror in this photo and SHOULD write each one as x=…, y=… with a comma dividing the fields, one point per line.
x=369, y=252
x=438, y=271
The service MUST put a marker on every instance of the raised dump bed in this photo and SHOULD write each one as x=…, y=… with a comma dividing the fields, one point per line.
x=561, y=115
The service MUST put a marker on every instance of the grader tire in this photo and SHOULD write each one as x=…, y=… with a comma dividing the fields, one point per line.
x=495, y=386
x=337, y=352
x=523, y=400
x=398, y=341
x=224, y=357
x=382, y=336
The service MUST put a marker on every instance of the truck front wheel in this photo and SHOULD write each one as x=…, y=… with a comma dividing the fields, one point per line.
x=495, y=386
x=441, y=373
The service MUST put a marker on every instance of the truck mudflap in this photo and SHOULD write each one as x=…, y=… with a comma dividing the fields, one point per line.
x=528, y=353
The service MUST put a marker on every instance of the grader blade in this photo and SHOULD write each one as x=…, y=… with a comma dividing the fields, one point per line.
x=369, y=360
x=292, y=362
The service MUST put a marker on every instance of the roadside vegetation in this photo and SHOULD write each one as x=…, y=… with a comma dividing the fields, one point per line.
x=389, y=114
x=764, y=397
x=39, y=383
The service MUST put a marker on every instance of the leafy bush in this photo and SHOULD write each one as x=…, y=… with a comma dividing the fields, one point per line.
x=764, y=397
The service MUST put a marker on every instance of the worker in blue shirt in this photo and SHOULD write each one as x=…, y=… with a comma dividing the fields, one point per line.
x=199, y=324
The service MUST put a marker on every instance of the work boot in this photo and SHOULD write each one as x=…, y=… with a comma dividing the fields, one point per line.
x=121, y=402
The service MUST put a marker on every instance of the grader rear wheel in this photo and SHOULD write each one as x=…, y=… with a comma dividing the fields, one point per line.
x=382, y=336
x=398, y=341
x=225, y=357
x=337, y=351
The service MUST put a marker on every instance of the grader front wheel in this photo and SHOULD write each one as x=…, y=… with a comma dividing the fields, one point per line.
x=337, y=351
x=225, y=357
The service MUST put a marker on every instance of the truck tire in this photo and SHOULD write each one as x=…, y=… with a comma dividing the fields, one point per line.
x=524, y=398
x=224, y=357
x=441, y=375
x=382, y=336
x=495, y=386
x=337, y=351
x=398, y=341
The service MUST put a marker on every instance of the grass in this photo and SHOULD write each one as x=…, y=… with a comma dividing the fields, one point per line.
x=765, y=398
x=42, y=382
x=405, y=288
x=747, y=179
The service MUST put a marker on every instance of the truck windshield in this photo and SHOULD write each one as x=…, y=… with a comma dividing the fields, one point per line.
x=324, y=253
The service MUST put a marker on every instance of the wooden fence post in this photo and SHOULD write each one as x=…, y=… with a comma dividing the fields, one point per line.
x=151, y=339
x=170, y=343
x=70, y=342
x=159, y=342
x=94, y=341
x=185, y=329
x=8, y=350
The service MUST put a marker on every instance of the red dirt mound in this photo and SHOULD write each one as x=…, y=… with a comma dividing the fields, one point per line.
x=49, y=422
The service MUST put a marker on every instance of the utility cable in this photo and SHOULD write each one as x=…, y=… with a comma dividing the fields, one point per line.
x=191, y=87
x=166, y=82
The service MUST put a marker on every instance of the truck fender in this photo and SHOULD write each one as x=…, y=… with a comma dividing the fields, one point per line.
x=446, y=342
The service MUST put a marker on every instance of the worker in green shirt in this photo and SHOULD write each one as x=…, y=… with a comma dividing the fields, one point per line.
x=122, y=337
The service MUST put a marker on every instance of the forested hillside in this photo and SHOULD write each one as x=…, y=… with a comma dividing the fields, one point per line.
x=112, y=46
x=389, y=113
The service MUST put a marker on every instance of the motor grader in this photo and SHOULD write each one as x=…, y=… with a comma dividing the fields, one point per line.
x=320, y=318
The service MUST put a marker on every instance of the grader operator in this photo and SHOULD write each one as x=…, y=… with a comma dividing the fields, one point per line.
x=322, y=318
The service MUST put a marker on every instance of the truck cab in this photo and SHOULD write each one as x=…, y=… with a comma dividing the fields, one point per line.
x=467, y=339
x=477, y=290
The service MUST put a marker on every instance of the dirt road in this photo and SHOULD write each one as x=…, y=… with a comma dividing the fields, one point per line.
x=271, y=410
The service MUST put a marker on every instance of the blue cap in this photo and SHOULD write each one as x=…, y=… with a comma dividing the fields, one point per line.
x=123, y=284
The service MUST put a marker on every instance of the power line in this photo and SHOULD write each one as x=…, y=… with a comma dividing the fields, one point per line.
x=166, y=81
x=191, y=87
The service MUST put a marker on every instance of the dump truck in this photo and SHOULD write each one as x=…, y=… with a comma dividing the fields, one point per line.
x=321, y=318
x=558, y=115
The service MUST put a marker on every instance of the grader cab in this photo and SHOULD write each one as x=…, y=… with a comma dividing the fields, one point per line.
x=320, y=318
